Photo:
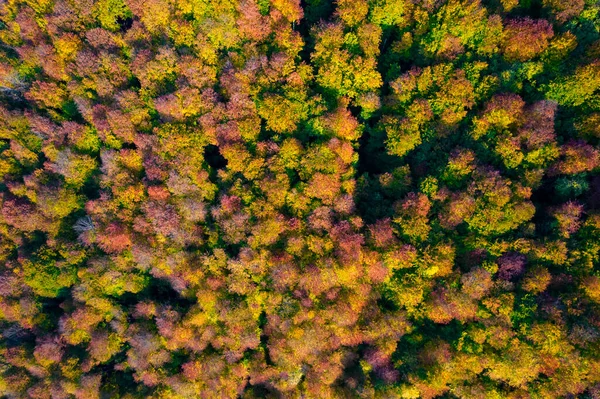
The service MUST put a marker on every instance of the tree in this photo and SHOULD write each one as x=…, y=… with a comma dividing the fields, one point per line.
x=537, y=280
x=575, y=90
x=577, y=157
x=526, y=38
x=339, y=70
x=511, y=265
x=413, y=216
x=76, y=169
x=282, y=114
x=564, y=10
x=499, y=206
x=568, y=218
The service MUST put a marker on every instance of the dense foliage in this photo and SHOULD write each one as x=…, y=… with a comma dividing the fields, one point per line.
x=316, y=199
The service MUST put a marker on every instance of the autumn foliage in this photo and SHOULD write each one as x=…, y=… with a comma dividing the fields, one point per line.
x=299, y=199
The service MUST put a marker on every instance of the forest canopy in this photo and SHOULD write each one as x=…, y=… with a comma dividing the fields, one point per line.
x=299, y=199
